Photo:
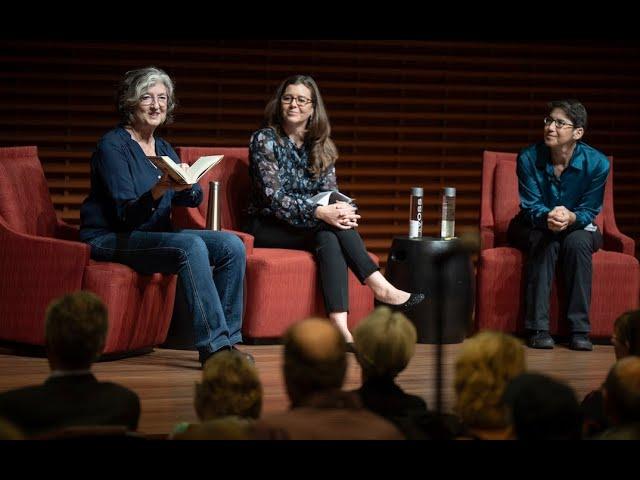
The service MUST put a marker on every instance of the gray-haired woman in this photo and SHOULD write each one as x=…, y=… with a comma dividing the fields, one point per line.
x=126, y=217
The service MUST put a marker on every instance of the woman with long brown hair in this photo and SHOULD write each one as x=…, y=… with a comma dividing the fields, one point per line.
x=292, y=159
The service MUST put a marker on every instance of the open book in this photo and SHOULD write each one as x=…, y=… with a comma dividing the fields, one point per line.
x=332, y=196
x=189, y=176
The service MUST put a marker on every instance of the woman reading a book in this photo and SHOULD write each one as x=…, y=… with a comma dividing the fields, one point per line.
x=127, y=215
x=291, y=160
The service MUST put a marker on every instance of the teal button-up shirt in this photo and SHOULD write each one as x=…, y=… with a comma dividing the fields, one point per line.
x=580, y=187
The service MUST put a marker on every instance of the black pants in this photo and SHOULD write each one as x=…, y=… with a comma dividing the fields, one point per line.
x=543, y=248
x=334, y=250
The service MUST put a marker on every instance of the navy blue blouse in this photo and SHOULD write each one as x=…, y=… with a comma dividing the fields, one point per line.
x=120, y=199
x=580, y=187
x=282, y=184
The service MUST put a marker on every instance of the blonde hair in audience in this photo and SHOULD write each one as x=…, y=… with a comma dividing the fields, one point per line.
x=485, y=365
x=385, y=342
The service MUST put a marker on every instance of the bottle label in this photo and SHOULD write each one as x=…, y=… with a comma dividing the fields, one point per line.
x=415, y=217
x=447, y=229
x=415, y=229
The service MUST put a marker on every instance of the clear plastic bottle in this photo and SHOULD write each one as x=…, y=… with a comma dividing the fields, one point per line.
x=448, y=225
x=415, y=212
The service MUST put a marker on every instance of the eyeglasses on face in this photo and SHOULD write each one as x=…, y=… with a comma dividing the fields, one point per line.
x=301, y=101
x=559, y=123
x=147, y=99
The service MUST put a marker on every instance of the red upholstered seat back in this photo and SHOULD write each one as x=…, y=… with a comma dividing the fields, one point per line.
x=500, y=199
x=25, y=203
x=232, y=173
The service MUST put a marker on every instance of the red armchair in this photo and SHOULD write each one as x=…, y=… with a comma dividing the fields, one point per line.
x=41, y=259
x=282, y=284
x=500, y=279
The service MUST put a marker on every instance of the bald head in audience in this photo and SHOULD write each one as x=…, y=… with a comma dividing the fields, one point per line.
x=622, y=391
x=314, y=358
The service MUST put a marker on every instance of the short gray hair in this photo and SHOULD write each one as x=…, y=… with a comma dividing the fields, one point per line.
x=134, y=84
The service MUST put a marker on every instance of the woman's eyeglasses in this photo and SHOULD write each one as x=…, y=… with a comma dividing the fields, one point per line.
x=150, y=99
x=301, y=101
x=559, y=123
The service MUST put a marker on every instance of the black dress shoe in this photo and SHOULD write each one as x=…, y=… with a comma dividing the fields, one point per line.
x=414, y=299
x=581, y=342
x=540, y=339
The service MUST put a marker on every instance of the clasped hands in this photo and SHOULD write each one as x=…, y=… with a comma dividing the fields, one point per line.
x=165, y=183
x=560, y=218
x=341, y=215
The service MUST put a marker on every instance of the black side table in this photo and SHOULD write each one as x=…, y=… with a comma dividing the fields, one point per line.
x=444, y=273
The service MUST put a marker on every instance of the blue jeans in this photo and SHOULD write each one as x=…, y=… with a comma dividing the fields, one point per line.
x=210, y=267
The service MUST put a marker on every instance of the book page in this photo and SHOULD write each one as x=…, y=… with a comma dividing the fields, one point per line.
x=331, y=196
x=168, y=166
x=201, y=166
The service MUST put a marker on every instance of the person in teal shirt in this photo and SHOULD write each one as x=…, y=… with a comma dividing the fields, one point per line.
x=561, y=184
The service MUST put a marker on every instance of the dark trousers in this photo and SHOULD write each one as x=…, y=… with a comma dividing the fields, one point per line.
x=543, y=249
x=335, y=250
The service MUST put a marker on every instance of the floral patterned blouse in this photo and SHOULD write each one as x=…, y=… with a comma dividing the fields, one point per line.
x=282, y=184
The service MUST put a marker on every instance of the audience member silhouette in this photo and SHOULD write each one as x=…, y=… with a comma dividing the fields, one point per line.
x=315, y=364
x=485, y=365
x=8, y=431
x=626, y=341
x=542, y=408
x=622, y=400
x=385, y=343
x=75, y=333
x=226, y=401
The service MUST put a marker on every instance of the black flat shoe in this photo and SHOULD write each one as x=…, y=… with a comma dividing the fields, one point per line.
x=414, y=300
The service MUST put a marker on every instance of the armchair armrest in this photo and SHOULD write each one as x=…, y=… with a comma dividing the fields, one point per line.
x=184, y=217
x=487, y=238
x=43, y=263
x=246, y=238
x=615, y=240
x=35, y=270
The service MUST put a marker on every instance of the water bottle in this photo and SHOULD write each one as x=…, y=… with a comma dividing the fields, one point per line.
x=213, y=207
x=415, y=212
x=447, y=229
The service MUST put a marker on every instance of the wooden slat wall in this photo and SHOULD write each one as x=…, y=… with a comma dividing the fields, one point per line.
x=404, y=113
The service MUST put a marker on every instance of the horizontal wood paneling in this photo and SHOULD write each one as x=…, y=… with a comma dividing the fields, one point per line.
x=404, y=113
